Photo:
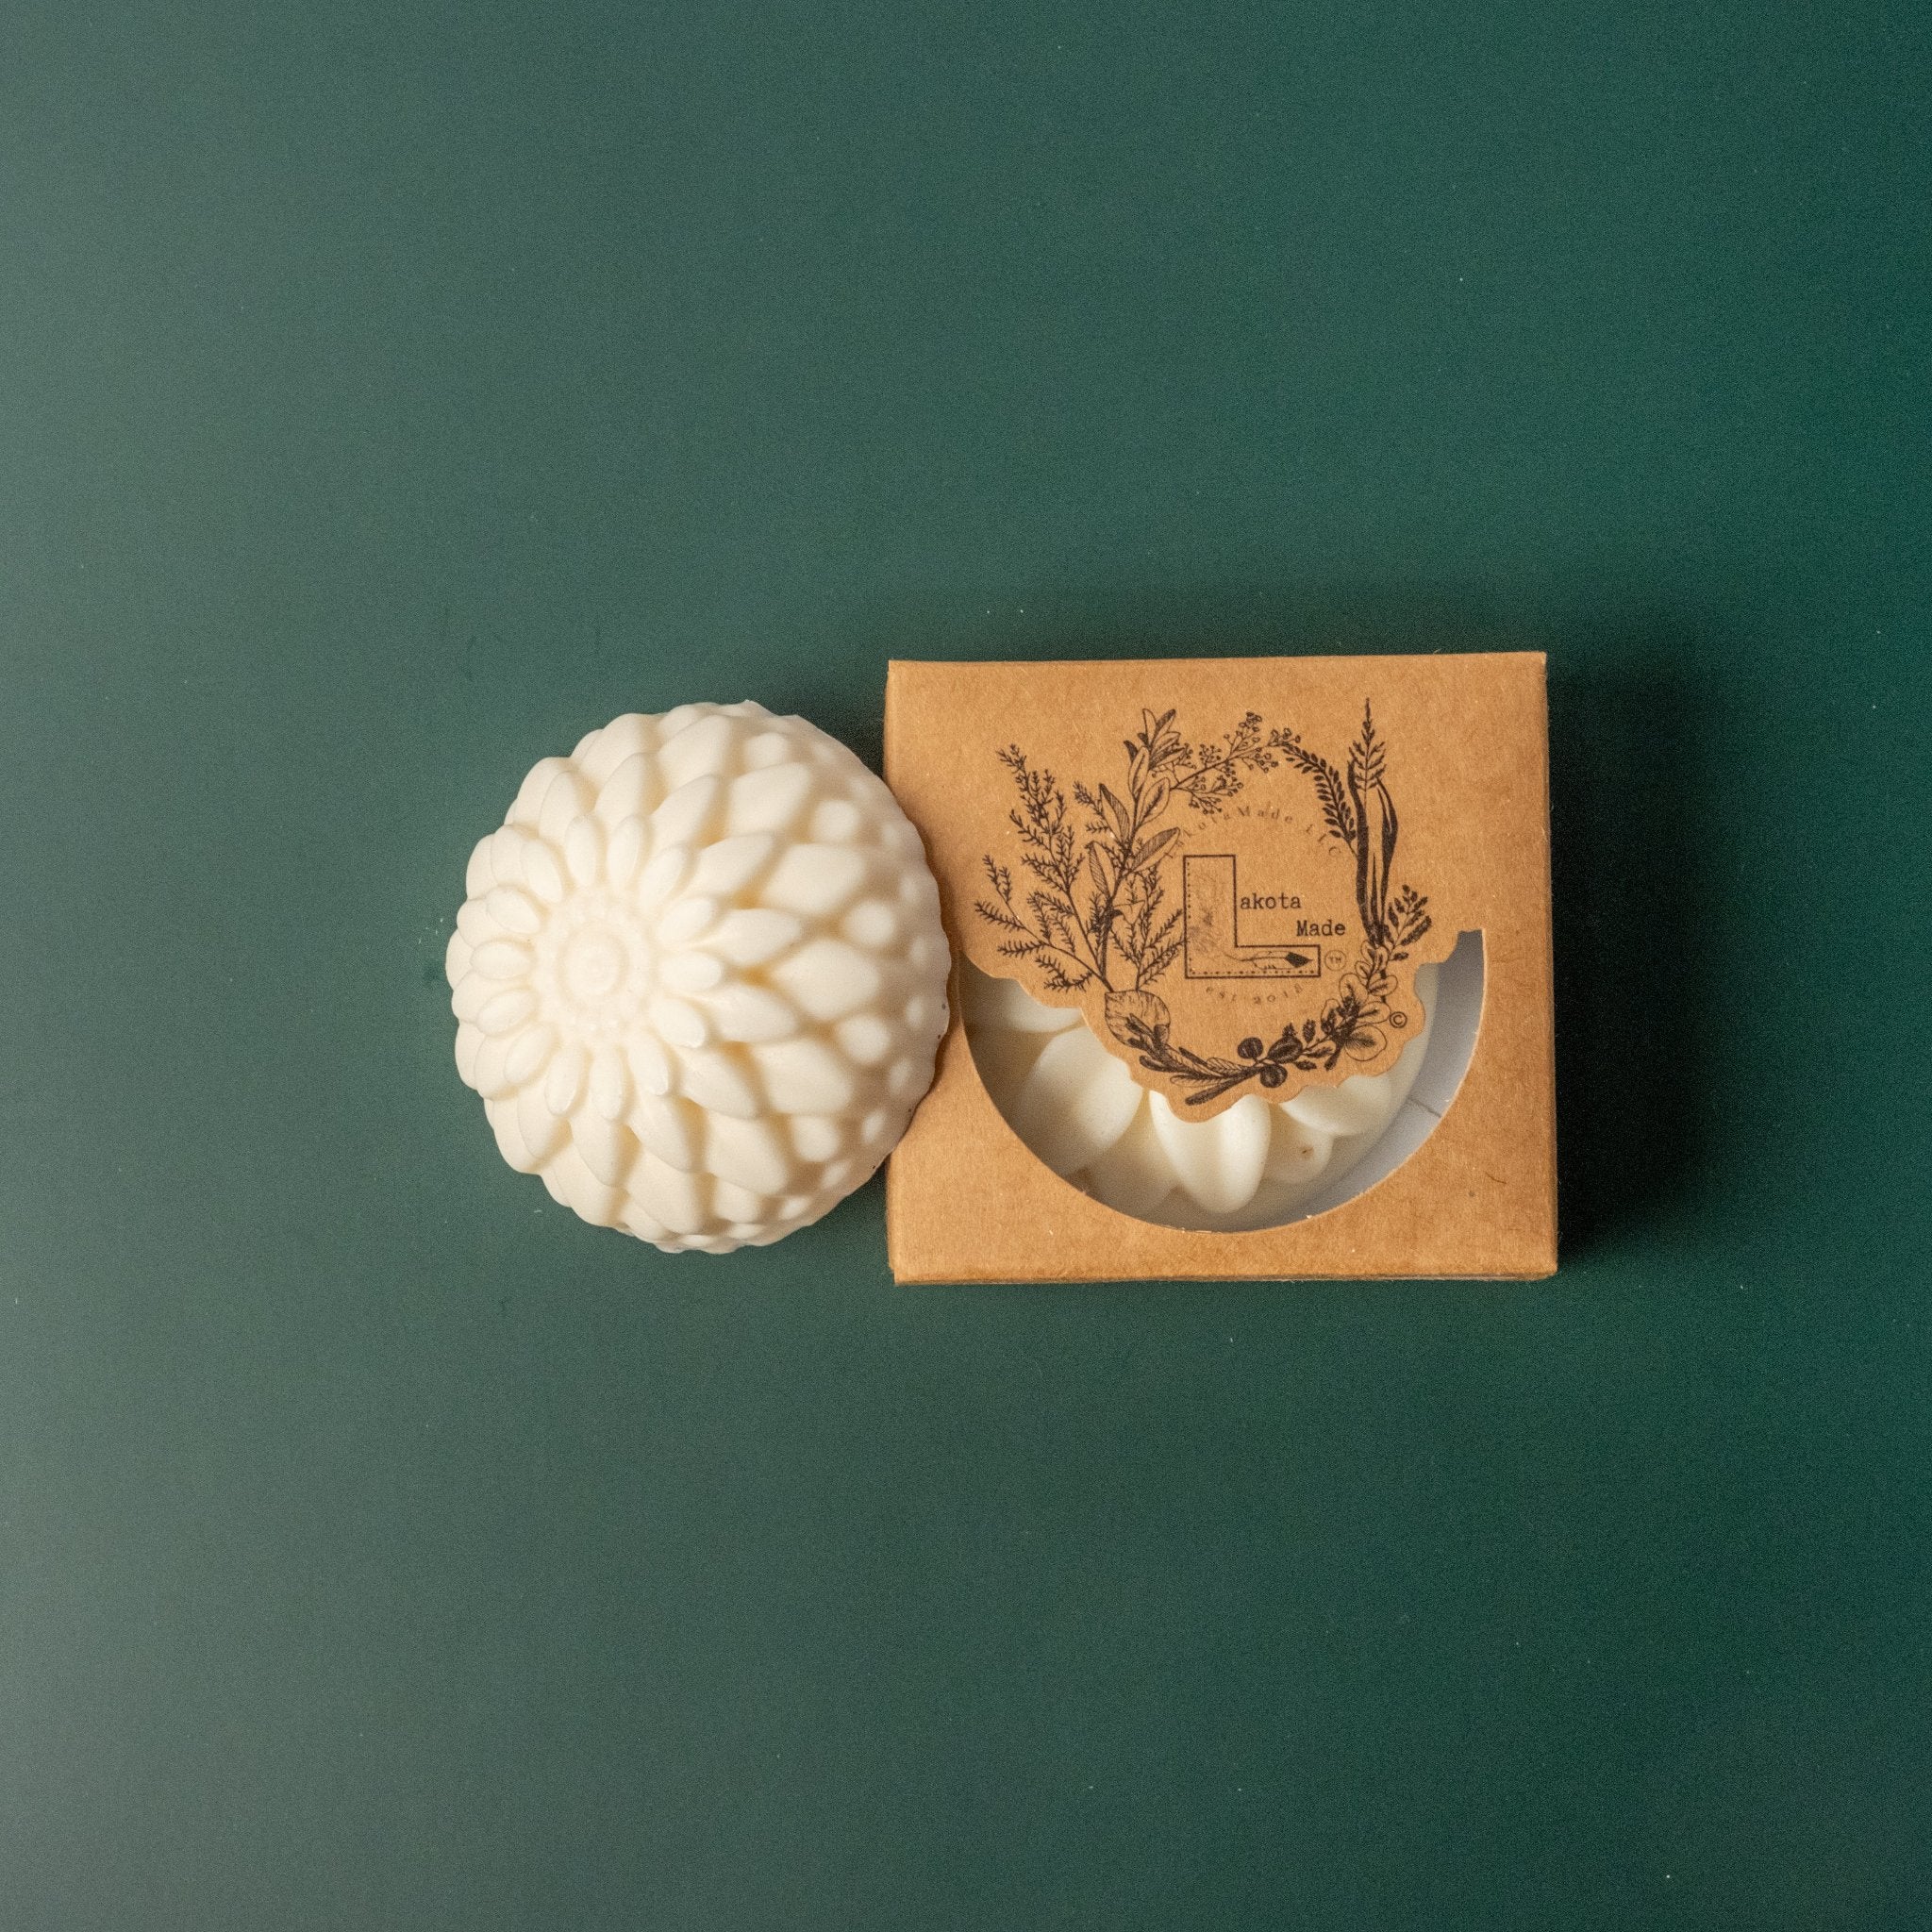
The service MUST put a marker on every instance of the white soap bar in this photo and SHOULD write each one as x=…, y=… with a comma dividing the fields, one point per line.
x=700, y=975
x=1076, y=1104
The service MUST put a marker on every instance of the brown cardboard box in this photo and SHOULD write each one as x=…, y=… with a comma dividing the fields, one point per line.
x=1263, y=851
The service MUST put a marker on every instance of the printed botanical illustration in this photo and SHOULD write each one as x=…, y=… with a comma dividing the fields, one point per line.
x=1094, y=904
x=1090, y=904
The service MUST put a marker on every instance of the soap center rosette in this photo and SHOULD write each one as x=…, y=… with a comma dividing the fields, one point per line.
x=700, y=975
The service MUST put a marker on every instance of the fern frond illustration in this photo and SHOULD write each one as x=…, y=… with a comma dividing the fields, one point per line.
x=1097, y=908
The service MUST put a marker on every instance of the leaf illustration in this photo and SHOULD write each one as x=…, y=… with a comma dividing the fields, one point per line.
x=1150, y=849
x=1136, y=1019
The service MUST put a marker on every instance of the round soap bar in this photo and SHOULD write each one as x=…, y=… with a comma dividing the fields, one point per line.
x=1078, y=1109
x=700, y=975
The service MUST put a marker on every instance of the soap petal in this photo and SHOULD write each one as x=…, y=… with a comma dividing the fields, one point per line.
x=503, y=1117
x=602, y=752
x=563, y=1079
x=541, y=871
x=828, y=978
x=528, y=1055
x=685, y=814
x=817, y=1135
x=834, y=820
x=542, y=1132
x=767, y=800
x=748, y=1152
x=669, y=1128
x=609, y=1082
x=508, y=848
x=768, y=748
x=805, y=1076
x=624, y=852
x=489, y=1068
x=1134, y=1175
x=632, y=791
x=678, y=1024
x=873, y=924
x=814, y=880
x=606, y=1145
x=570, y=1177
x=726, y=869
x=1217, y=1161
x=650, y=1065
x=477, y=923
x=752, y=937
x=989, y=1001
x=502, y=959
x=1004, y=1058
x=583, y=852
x=702, y=750
x=717, y=1082
x=469, y=1040
x=691, y=972
x=1297, y=1153
x=529, y=804
x=1361, y=1105
x=1076, y=1103
x=867, y=1040
x=568, y=799
x=681, y=922
x=744, y=1210
x=480, y=874
x=670, y=1195
x=513, y=909
x=662, y=876
x=750, y=1012
x=504, y=1011
x=468, y=994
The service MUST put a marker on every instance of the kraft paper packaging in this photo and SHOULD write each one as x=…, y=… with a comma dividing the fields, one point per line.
x=1233, y=868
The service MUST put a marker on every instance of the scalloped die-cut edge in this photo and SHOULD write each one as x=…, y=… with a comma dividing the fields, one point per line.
x=1455, y=1025
x=1074, y=901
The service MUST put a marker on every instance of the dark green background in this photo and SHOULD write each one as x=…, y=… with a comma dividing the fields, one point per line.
x=389, y=393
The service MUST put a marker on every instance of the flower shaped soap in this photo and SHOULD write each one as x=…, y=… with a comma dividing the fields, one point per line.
x=700, y=976
x=1078, y=1109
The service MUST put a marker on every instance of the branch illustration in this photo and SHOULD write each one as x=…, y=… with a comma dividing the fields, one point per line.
x=1097, y=908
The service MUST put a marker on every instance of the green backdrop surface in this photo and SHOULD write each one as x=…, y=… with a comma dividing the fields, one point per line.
x=388, y=394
